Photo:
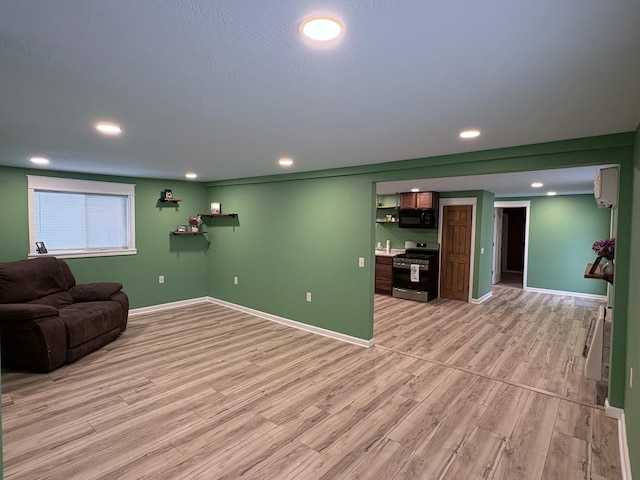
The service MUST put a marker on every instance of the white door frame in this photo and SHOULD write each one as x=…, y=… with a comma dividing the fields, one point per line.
x=445, y=202
x=527, y=206
x=496, y=264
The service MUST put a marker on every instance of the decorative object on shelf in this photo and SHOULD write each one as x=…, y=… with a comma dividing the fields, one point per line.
x=40, y=248
x=181, y=228
x=216, y=208
x=605, y=249
x=166, y=196
x=195, y=222
x=607, y=268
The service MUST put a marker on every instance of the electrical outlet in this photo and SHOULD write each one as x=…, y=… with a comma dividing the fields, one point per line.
x=308, y=296
x=161, y=279
x=631, y=377
x=235, y=280
x=361, y=262
x=481, y=250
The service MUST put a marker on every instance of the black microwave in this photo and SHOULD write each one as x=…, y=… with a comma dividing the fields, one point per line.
x=417, y=218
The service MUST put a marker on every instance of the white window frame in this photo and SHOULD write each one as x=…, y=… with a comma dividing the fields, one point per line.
x=56, y=184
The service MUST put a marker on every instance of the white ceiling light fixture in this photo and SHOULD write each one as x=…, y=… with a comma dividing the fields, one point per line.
x=285, y=162
x=552, y=194
x=191, y=175
x=415, y=190
x=39, y=160
x=537, y=184
x=321, y=29
x=107, y=128
x=471, y=133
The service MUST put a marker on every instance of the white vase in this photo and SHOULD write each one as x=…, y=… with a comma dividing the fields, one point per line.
x=607, y=268
x=194, y=229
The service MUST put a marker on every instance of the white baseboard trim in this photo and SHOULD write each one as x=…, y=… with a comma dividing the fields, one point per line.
x=483, y=298
x=612, y=412
x=618, y=414
x=591, y=296
x=293, y=323
x=165, y=306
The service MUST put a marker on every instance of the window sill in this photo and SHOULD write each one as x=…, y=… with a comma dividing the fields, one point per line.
x=85, y=254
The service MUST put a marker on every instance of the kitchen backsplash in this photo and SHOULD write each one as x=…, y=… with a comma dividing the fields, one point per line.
x=398, y=236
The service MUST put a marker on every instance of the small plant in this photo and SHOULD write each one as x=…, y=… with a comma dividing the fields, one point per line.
x=605, y=248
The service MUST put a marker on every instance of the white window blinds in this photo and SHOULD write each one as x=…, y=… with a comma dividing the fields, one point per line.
x=78, y=221
x=81, y=218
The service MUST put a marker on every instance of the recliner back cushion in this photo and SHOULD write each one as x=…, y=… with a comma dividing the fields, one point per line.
x=57, y=300
x=26, y=280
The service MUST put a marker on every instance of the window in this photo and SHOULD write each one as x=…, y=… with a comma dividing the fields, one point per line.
x=81, y=218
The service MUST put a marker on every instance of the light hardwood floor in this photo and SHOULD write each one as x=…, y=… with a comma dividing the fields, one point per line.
x=206, y=392
x=526, y=338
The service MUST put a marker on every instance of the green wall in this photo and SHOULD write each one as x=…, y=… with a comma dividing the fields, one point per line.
x=632, y=394
x=562, y=230
x=182, y=260
x=296, y=237
x=484, y=244
x=608, y=149
x=397, y=236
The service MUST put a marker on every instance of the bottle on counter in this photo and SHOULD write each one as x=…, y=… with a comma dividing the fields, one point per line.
x=388, y=247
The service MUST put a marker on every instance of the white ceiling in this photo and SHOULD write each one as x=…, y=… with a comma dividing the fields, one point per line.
x=226, y=87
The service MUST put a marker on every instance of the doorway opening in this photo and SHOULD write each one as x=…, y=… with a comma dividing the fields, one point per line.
x=510, y=244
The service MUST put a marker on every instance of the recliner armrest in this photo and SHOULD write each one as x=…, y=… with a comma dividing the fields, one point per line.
x=24, y=312
x=94, y=292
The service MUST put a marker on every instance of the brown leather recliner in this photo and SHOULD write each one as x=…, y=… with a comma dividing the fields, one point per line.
x=46, y=320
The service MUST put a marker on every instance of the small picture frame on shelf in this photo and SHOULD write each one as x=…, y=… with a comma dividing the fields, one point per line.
x=40, y=248
x=166, y=194
x=181, y=228
x=216, y=208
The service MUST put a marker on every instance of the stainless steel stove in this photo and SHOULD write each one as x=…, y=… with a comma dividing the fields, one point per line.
x=415, y=272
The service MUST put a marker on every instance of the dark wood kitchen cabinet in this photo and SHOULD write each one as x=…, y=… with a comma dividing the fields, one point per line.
x=419, y=200
x=384, y=275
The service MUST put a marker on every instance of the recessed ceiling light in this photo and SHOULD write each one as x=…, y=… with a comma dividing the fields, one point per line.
x=191, y=175
x=415, y=190
x=285, y=162
x=469, y=134
x=108, y=128
x=551, y=194
x=39, y=160
x=537, y=184
x=321, y=29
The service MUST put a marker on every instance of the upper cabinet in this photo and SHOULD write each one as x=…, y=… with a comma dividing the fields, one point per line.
x=419, y=200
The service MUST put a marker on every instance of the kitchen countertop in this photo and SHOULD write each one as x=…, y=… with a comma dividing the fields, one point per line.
x=393, y=252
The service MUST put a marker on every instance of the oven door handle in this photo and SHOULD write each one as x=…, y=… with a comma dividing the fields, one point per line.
x=408, y=267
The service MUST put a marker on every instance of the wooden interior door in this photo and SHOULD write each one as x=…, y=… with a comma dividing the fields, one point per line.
x=456, y=252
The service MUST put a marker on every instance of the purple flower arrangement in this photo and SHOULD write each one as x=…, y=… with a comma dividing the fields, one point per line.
x=605, y=248
x=195, y=221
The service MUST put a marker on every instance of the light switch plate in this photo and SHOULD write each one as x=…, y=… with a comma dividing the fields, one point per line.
x=361, y=262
